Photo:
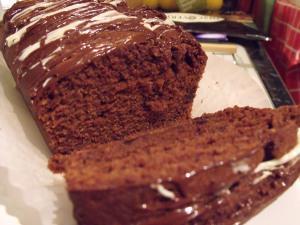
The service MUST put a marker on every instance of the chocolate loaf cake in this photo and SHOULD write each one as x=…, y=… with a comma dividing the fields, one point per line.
x=178, y=175
x=96, y=71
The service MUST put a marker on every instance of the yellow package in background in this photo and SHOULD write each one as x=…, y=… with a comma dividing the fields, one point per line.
x=181, y=5
x=199, y=5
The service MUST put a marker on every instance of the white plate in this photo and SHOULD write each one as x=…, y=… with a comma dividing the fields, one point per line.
x=31, y=195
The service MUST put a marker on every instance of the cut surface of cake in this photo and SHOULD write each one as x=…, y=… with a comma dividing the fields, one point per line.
x=179, y=175
x=96, y=71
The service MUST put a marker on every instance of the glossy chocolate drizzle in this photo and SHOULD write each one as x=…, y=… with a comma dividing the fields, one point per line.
x=279, y=173
x=45, y=40
x=195, y=189
x=206, y=209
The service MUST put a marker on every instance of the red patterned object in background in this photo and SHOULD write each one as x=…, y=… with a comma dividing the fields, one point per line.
x=284, y=49
x=245, y=5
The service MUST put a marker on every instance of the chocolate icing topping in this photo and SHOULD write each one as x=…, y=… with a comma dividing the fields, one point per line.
x=56, y=38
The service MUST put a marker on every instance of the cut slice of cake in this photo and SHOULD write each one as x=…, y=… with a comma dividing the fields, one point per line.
x=156, y=177
x=96, y=71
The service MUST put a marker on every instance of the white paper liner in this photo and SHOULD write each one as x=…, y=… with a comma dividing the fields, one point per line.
x=226, y=85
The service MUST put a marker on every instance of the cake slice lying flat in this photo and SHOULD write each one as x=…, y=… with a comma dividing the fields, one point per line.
x=158, y=177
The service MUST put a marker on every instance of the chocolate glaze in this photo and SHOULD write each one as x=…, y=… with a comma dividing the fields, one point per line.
x=235, y=204
x=61, y=57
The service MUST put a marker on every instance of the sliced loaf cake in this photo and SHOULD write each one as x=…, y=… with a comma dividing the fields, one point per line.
x=96, y=71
